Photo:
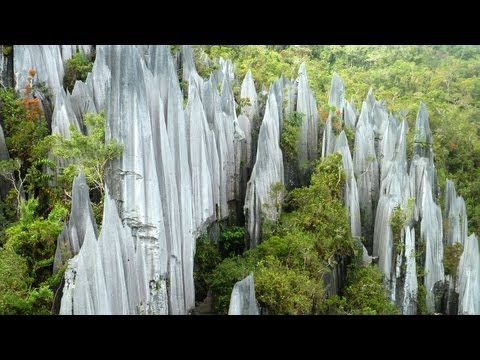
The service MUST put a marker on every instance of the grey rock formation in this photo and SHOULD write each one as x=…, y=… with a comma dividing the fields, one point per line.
x=45, y=59
x=247, y=91
x=64, y=115
x=337, y=92
x=242, y=301
x=68, y=51
x=394, y=194
x=134, y=180
x=6, y=69
x=351, y=199
x=306, y=104
x=431, y=233
x=184, y=167
x=423, y=135
x=469, y=278
x=71, y=238
x=85, y=290
x=177, y=174
x=328, y=143
x=367, y=173
x=227, y=68
x=410, y=288
x=351, y=192
x=350, y=115
x=456, y=216
x=267, y=171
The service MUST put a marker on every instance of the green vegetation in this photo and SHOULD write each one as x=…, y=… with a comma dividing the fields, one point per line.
x=77, y=68
x=421, y=300
x=34, y=210
x=34, y=238
x=207, y=257
x=26, y=138
x=337, y=122
x=16, y=298
x=89, y=153
x=26, y=284
x=7, y=50
x=290, y=135
x=364, y=294
x=397, y=222
x=451, y=258
x=226, y=274
x=445, y=77
x=398, y=219
x=232, y=241
x=308, y=240
x=286, y=290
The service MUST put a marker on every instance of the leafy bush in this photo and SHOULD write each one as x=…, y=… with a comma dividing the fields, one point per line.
x=283, y=290
x=15, y=283
x=207, y=257
x=226, y=274
x=290, y=263
x=365, y=293
x=232, y=241
x=451, y=258
x=7, y=50
x=76, y=68
x=290, y=135
x=89, y=153
x=421, y=300
x=24, y=127
x=34, y=238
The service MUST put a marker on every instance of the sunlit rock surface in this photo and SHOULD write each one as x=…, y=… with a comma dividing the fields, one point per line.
x=469, y=278
x=242, y=301
x=267, y=171
x=71, y=238
x=367, y=173
x=186, y=163
x=306, y=104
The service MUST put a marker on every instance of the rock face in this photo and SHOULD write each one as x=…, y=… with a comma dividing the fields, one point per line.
x=71, y=239
x=366, y=170
x=189, y=161
x=6, y=66
x=267, y=171
x=48, y=62
x=306, y=104
x=247, y=91
x=242, y=301
x=179, y=172
x=337, y=92
x=469, y=278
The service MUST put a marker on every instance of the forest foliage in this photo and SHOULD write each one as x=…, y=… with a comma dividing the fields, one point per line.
x=444, y=77
x=310, y=239
x=313, y=232
x=34, y=210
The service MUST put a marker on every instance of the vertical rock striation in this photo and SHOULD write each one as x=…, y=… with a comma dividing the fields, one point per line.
x=242, y=301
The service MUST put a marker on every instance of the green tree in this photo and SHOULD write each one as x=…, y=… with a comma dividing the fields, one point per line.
x=76, y=68
x=89, y=153
x=34, y=238
x=290, y=135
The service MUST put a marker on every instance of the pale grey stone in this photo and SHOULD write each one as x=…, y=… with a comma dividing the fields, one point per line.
x=242, y=301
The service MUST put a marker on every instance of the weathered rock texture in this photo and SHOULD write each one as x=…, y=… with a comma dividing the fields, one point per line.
x=189, y=161
x=242, y=301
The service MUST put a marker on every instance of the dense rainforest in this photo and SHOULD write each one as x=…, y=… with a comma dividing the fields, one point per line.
x=45, y=169
x=444, y=77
